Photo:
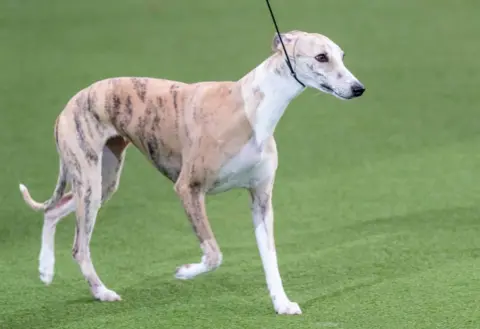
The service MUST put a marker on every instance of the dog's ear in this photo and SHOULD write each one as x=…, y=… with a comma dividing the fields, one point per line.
x=287, y=39
x=277, y=45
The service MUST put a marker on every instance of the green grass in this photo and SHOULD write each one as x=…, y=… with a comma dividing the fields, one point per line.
x=377, y=200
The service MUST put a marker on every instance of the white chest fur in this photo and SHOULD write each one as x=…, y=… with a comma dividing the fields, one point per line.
x=253, y=163
x=246, y=169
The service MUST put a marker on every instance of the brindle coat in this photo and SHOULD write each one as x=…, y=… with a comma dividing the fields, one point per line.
x=206, y=137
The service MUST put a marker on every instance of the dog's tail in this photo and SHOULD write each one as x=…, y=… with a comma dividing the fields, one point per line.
x=57, y=193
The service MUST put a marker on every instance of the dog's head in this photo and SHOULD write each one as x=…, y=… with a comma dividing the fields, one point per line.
x=318, y=63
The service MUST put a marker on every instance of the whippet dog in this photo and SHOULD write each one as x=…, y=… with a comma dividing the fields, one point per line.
x=206, y=137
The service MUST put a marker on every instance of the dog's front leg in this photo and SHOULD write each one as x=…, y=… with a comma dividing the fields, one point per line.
x=193, y=200
x=262, y=212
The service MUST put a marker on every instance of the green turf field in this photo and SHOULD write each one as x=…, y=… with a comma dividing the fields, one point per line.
x=377, y=200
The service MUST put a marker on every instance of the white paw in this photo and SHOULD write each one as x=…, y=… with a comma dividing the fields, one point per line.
x=46, y=267
x=46, y=277
x=287, y=307
x=106, y=295
x=189, y=271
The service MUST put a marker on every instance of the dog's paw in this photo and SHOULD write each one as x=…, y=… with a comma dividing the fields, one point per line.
x=46, y=276
x=189, y=271
x=106, y=295
x=288, y=308
x=46, y=267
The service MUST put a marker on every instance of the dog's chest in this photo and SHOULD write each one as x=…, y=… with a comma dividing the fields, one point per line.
x=245, y=169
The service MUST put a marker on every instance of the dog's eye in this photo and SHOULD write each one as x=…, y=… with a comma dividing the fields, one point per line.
x=322, y=58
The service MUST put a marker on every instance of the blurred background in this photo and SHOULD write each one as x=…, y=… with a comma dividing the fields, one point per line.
x=377, y=200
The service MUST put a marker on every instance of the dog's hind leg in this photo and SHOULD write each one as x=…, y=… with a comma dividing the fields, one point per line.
x=87, y=187
x=83, y=139
x=112, y=164
x=63, y=208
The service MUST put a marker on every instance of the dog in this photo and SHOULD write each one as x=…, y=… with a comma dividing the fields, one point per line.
x=206, y=137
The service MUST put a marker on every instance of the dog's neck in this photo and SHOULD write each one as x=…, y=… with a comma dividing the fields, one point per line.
x=268, y=89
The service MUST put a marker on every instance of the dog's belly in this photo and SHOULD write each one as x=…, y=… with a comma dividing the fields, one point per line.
x=246, y=169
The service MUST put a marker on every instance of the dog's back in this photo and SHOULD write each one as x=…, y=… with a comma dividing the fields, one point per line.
x=161, y=117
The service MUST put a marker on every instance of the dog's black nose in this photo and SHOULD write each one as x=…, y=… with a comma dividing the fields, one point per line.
x=358, y=89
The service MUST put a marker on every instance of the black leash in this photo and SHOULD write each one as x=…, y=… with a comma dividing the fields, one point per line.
x=283, y=46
